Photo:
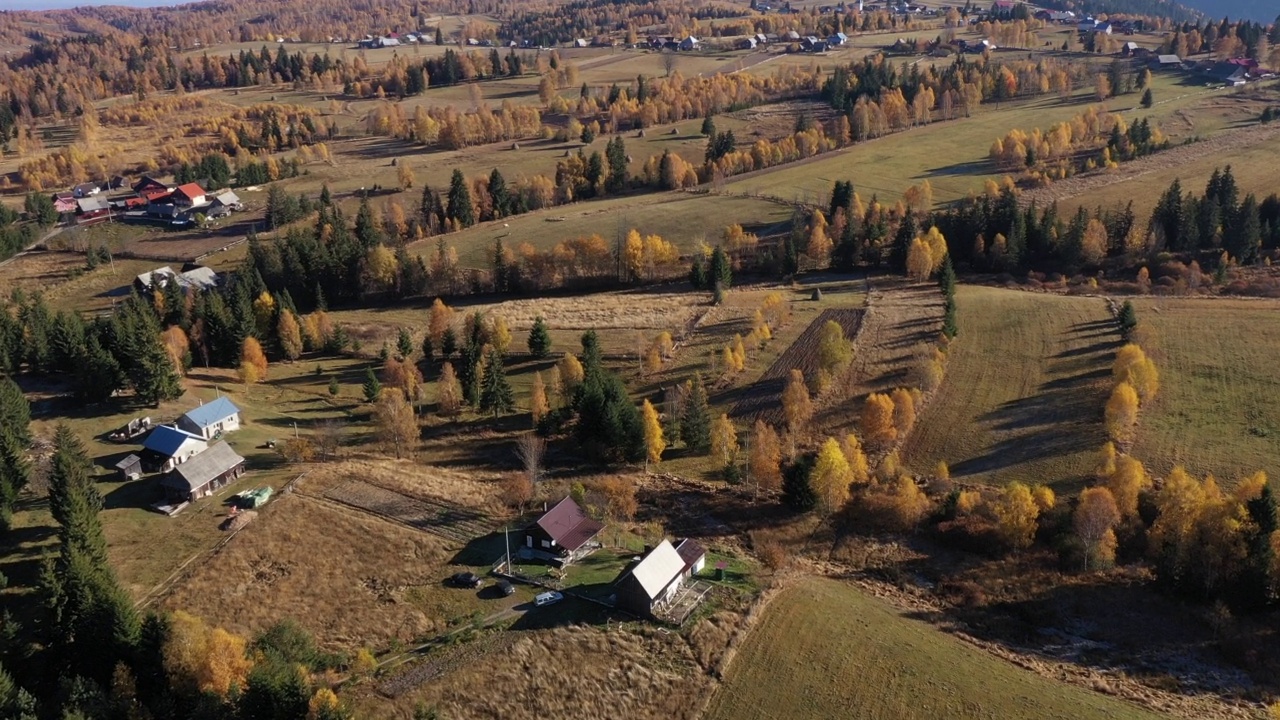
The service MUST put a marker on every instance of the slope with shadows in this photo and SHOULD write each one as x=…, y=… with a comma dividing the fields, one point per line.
x=869, y=661
x=1025, y=388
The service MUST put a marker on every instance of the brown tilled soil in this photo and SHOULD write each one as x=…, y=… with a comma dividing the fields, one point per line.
x=1174, y=157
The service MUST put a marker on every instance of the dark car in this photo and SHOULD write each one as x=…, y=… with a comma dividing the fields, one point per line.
x=506, y=588
x=465, y=580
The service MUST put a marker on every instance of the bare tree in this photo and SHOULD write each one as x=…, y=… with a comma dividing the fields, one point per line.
x=669, y=61
x=530, y=448
x=328, y=438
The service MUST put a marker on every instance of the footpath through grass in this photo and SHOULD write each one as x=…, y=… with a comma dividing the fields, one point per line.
x=825, y=650
x=1215, y=412
x=1024, y=392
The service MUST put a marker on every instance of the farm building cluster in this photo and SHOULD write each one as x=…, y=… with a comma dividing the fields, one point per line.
x=190, y=457
x=147, y=200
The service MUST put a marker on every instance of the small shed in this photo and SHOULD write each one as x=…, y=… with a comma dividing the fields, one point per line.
x=693, y=554
x=130, y=468
x=203, y=474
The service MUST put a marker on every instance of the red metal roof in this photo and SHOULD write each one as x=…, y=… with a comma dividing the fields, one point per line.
x=569, y=525
x=190, y=191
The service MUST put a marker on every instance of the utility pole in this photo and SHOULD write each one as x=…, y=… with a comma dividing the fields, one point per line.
x=506, y=537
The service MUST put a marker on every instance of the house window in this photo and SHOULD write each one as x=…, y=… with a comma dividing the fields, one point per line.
x=546, y=544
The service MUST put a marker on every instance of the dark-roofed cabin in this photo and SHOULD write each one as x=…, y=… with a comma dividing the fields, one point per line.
x=203, y=474
x=130, y=468
x=649, y=585
x=563, y=533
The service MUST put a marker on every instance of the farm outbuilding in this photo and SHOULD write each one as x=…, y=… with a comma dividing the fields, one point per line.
x=130, y=468
x=211, y=419
x=651, y=583
x=168, y=447
x=203, y=474
x=563, y=533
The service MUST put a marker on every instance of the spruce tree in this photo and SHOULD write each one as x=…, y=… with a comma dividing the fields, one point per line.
x=428, y=348
x=334, y=388
x=697, y=274
x=448, y=342
x=539, y=338
x=495, y=393
x=790, y=258
x=797, y=491
x=708, y=126
x=460, y=210
x=372, y=388
x=947, y=277
x=695, y=426
x=499, y=196
x=404, y=344
x=1128, y=319
x=721, y=270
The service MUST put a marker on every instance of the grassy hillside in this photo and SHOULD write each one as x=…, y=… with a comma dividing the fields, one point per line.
x=871, y=662
x=1215, y=411
x=1024, y=391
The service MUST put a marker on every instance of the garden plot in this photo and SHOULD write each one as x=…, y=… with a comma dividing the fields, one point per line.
x=438, y=517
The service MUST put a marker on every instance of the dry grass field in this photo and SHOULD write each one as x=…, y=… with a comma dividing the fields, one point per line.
x=1025, y=386
x=824, y=649
x=1215, y=412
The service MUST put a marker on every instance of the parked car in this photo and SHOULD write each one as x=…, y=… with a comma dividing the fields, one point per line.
x=548, y=598
x=465, y=580
x=506, y=588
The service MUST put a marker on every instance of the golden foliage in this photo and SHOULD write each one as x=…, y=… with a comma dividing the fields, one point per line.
x=395, y=424
x=1134, y=367
x=765, y=463
x=796, y=405
x=253, y=363
x=654, y=442
x=290, y=335
x=831, y=477
x=1094, y=521
x=209, y=659
x=834, y=351
x=448, y=392
x=904, y=411
x=876, y=423
x=1122, y=412
x=724, y=440
x=538, y=405
x=1126, y=482
x=1016, y=513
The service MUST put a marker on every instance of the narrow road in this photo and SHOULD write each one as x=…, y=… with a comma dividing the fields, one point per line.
x=53, y=231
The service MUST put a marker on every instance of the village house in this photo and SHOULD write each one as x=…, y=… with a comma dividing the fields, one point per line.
x=85, y=190
x=148, y=186
x=189, y=196
x=168, y=447
x=562, y=534
x=211, y=419
x=650, y=584
x=690, y=43
x=130, y=468
x=1167, y=62
x=194, y=277
x=64, y=202
x=203, y=474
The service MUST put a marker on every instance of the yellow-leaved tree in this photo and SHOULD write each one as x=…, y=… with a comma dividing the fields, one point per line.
x=834, y=351
x=1127, y=482
x=1094, y=521
x=859, y=468
x=904, y=411
x=571, y=374
x=797, y=408
x=448, y=392
x=1132, y=366
x=654, y=442
x=538, y=405
x=876, y=421
x=919, y=261
x=831, y=477
x=264, y=313
x=210, y=660
x=1121, y=414
x=395, y=423
x=253, y=363
x=439, y=320
x=499, y=334
x=1016, y=513
x=290, y=334
x=724, y=440
x=765, y=462
x=1107, y=462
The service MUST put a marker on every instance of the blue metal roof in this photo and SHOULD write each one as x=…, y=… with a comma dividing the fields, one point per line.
x=212, y=412
x=167, y=440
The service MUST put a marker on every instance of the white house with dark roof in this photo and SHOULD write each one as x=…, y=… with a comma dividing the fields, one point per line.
x=211, y=419
x=168, y=447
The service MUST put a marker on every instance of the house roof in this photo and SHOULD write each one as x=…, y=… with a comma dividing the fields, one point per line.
x=190, y=191
x=568, y=525
x=91, y=204
x=1169, y=60
x=226, y=197
x=212, y=412
x=203, y=468
x=146, y=181
x=167, y=440
x=690, y=551
x=147, y=279
x=128, y=462
x=201, y=278
x=657, y=569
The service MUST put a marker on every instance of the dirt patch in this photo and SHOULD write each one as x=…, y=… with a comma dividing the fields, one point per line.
x=435, y=516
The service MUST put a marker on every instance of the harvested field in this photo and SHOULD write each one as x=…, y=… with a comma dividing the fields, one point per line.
x=869, y=661
x=342, y=575
x=431, y=515
x=466, y=490
x=1025, y=386
x=764, y=399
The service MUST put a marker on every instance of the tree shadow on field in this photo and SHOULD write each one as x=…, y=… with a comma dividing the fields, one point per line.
x=973, y=167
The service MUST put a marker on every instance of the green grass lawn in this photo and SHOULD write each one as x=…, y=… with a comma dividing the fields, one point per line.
x=1024, y=391
x=823, y=649
x=1215, y=412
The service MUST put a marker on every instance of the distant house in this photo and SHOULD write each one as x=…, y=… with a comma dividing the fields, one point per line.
x=211, y=419
x=154, y=280
x=168, y=447
x=198, y=278
x=203, y=474
x=650, y=584
x=89, y=205
x=117, y=182
x=189, y=195
x=1229, y=73
x=64, y=202
x=223, y=203
x=563, y=532
x=194, y=278
x=130, y=468
x=793, y=36
x=149, y=185
x=690, y=43
x=837, y=39
x=581, y=43
x=1167, y=62
x=85, y=190
x=747, y=43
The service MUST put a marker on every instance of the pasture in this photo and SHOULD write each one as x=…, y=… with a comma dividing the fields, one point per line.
x=1215, y=413
x=825, y=649
x=1025, y=387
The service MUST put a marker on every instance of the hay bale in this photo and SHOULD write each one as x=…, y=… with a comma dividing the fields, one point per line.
x=674, y=131
x=239, y=520
x=515, y=146
x=641, y=133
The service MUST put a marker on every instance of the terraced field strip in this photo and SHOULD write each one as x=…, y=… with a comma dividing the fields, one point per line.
x=438, y=517
x=764, y=400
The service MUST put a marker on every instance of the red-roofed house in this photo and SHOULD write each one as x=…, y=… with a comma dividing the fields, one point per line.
x=189, y=195
x=564, y=532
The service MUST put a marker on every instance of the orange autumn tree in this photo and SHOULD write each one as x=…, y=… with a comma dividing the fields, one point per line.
x=253, y=362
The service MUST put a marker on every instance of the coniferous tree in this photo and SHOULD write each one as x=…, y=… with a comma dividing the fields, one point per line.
x=500, y=197
x=372, y=388
x=695, y=425
x=720, y=270
x=404, y=344
x=539, y=338
x=495, y=393
x=460, y=209
x=616, y=153
x=797, y=490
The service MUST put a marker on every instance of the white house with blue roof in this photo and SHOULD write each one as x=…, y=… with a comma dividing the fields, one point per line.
x=212, y=419
x=167, y=447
